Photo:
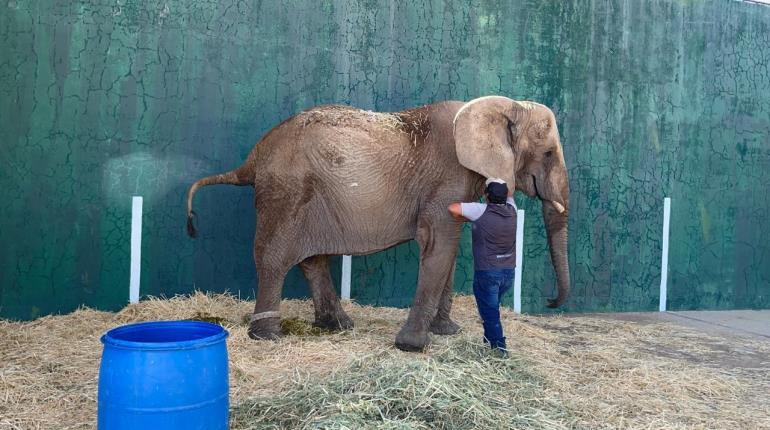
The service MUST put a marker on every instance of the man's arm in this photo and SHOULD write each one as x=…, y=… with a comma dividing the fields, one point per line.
x=467, y=211
x=455, y=209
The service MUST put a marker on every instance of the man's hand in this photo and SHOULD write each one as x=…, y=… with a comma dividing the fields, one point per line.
x=456, y=211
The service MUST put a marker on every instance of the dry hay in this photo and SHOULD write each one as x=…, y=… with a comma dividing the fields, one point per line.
x=562, y=373
x=341, y=116
x=414, y=122
x=458, y=388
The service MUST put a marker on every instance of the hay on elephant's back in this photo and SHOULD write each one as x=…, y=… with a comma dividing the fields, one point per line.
x=413, y=123
x=340, y=116
x=564, y=373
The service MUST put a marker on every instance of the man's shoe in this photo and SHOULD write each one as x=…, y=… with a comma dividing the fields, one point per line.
x=499, y=353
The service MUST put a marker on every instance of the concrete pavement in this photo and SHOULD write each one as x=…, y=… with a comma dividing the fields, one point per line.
x=753, y=324
x=746, y=323
x=745, y=335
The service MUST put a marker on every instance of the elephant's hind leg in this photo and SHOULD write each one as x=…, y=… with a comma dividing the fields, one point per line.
x=266, y=320
x=442, y=324
x=273, y=259
x=328, y=311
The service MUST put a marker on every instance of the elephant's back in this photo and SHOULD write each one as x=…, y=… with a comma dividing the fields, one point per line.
x=359, y=174
x=354, y=167
x=346, y=125
x=326, y=132
x=341, y=140
x=345, y=144
x=340, y=116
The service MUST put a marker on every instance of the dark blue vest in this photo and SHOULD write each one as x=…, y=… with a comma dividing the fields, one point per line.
x=494, y=238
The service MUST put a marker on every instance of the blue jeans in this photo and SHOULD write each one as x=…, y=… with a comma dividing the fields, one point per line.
x=489, y=287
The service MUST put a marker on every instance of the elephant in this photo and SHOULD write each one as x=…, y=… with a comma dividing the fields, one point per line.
x=335, y=180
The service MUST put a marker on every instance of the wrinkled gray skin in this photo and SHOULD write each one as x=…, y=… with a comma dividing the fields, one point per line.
x=337, y=180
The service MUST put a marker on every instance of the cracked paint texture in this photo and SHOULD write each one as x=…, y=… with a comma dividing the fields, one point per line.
x=101, y=100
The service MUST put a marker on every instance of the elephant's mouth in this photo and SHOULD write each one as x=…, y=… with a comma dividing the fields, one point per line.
x=558, y=206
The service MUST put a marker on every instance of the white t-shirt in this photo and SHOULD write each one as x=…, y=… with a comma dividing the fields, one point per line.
x=474, y=211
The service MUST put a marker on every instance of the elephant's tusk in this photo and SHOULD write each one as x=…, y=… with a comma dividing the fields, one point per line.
x=559, y=207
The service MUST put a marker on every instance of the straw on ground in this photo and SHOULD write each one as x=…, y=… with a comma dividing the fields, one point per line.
x=563, y=372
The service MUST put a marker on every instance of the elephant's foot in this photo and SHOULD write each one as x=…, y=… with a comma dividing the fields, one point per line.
x=444, y=327
x=412, y=340
x=265, y=328
x=334, y=321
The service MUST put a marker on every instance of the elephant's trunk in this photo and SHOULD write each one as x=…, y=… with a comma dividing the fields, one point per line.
x=556, y=227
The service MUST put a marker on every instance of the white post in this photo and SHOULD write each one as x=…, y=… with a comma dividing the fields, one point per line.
x=346, y=269
x=519, y=252
x=664, y=258
x=136, y=249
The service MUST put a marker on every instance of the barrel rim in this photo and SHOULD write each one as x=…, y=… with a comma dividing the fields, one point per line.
x=219, y=335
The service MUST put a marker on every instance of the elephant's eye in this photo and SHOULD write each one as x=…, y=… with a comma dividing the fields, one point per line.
x=548, y=154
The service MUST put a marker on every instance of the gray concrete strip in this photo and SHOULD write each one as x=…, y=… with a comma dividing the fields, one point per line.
x=754, y=324
x=747, y=321
x=735, y=340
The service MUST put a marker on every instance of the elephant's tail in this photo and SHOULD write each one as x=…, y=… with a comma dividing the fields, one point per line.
x=240, y=176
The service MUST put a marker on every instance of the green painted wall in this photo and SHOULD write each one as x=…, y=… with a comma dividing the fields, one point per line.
x=103, y=100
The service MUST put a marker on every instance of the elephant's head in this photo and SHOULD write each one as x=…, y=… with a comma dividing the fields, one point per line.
x=519, y=142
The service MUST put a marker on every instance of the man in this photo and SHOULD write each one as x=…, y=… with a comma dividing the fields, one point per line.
x=494, y=253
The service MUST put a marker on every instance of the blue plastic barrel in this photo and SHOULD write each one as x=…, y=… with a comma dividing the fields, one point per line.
x=164, y=375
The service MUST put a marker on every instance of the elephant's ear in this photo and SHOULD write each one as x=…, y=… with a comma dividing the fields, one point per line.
x=483, y=140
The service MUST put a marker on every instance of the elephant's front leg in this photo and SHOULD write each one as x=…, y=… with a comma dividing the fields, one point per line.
x=438, y=248
x=442, y=324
